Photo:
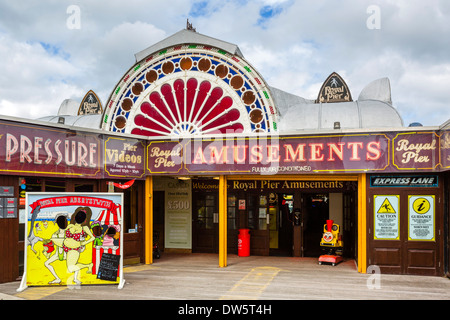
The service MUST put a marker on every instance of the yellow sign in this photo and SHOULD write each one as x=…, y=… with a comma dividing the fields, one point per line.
x=421, y=218
x=386, y=217
x=421, y=205
x=73, y=239
x=386, y=207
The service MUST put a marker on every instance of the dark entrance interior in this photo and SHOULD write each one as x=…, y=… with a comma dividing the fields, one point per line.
x=158, y=218
x=280, y=225
x=339, y=207
x=281, y=222
x=316, y=214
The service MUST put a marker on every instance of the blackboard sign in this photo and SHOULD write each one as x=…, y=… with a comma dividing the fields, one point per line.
x=109, y=265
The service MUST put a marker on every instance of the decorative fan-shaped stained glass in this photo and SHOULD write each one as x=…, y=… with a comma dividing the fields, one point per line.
x=190, y=90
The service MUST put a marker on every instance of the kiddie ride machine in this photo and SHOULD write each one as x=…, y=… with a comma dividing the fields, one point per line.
x=333, y=241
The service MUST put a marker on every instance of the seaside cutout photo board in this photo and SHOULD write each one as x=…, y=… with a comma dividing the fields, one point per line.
x=73, y=239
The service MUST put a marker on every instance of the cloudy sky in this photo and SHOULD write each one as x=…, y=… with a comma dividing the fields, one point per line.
x=51, y=50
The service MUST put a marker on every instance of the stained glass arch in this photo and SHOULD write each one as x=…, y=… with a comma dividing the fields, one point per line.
x=191, y=89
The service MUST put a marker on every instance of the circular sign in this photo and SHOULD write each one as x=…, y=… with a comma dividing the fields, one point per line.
x=421, y=205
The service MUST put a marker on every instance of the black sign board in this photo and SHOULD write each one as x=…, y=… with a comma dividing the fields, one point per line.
x=404, y=181
x=334, y=89
x=109, y=266
x=90, y=105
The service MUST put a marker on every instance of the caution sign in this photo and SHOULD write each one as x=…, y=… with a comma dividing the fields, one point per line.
x=386, y=207
x=386, y=217
x=421, y=217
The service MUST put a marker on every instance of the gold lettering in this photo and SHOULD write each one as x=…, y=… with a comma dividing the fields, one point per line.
x=412, y=151
x=333, y=93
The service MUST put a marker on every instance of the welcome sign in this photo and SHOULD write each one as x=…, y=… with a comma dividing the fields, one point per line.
x=73, y=239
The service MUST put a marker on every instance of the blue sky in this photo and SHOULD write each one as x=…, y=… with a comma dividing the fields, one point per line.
x=294, y=44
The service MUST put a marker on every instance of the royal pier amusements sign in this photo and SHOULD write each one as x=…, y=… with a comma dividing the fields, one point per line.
x=374, y=152
x=32, y=149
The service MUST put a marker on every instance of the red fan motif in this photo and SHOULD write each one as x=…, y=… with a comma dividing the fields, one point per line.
x=187, y=107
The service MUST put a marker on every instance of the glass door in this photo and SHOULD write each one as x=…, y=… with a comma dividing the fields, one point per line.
x=257, y=223
x=205, y=223
x=273, y=220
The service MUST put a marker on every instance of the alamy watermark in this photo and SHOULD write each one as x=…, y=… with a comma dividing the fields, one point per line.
x=373, y=22
x=374, y=280
x=73, y=21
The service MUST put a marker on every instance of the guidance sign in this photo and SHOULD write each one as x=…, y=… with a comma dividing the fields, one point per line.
x=421, y=218
x=386, y=217
x=73, y=239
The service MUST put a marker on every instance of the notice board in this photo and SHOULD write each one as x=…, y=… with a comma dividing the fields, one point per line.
x=73, y=239
x=109, y=267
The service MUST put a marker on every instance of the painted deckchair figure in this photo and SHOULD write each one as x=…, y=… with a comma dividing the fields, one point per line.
x=59, y=253
x=78, y=234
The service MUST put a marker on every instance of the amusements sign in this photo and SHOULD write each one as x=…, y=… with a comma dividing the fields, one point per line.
x=71, y=238
x=270, y=155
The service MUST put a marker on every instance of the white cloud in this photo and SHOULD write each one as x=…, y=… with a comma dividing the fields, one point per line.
x=294, y=49
x=33, y=80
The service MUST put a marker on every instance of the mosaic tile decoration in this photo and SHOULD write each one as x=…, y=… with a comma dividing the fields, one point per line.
x=191, y=90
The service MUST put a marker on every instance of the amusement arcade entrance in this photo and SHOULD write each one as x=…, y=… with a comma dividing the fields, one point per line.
x=284, y=216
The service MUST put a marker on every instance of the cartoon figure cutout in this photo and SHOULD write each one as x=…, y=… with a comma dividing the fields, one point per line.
x=67, y=234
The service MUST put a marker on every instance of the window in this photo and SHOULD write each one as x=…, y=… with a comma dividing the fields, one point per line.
x=257, y=212
x=262, y=212
x=206, y=206
x=83, y=187
x=54, y=185
x=231, y=212
x=130, y=209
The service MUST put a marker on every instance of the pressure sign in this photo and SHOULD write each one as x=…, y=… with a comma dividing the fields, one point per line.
x=386, y=217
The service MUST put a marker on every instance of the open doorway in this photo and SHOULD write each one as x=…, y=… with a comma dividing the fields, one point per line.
x=281, y=207
x=158, y=218
x=316, y=214
x=318, y=208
